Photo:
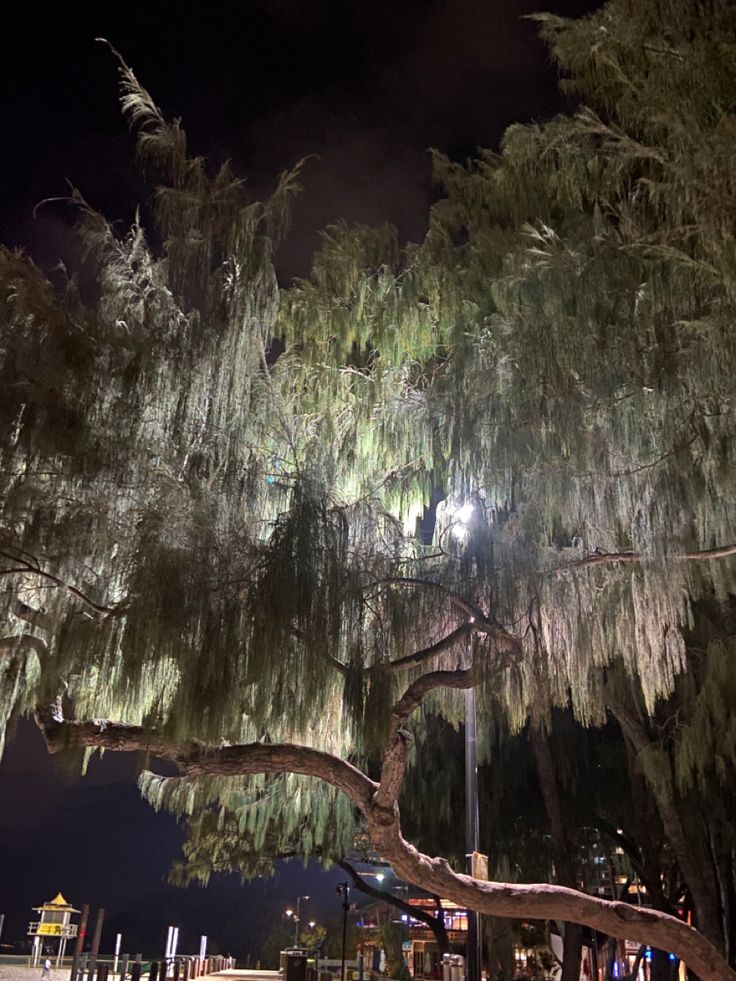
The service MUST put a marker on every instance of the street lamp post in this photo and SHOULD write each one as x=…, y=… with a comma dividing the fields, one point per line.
x=461, y=520
x=475, y=942
x=343, y=890
x=290, y=912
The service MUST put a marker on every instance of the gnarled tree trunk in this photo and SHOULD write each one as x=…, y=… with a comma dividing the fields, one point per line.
x=572, y=941
x=377, y=802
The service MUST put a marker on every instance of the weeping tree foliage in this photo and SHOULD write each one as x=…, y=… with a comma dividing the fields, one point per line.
x=211, y=489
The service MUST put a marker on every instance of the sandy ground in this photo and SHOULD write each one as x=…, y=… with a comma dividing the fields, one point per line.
x=13, y=972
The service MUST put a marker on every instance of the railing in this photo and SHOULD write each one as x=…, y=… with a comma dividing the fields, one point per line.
x=180, y=968
x=39, y=928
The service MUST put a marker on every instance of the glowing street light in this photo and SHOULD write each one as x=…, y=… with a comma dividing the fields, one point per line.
x=460, y=519
x=295, y=915
x=378, y=876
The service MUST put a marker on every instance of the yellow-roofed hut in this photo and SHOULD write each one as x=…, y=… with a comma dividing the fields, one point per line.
x=52, y=929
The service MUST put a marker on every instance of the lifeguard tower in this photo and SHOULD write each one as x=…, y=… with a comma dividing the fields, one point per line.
x=53, y=926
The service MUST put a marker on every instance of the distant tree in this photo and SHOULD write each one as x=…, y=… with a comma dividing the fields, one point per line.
x=211, y=491
x=278, y=939
x=313, y=937
x=392, y=937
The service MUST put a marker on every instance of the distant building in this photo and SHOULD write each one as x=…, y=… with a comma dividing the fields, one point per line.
x=421, y=953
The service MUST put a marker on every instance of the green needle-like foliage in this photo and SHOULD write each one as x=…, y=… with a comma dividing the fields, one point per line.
x=220, y=541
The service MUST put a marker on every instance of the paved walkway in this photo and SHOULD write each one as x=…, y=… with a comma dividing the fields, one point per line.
x=244, y=974
x=13, y=972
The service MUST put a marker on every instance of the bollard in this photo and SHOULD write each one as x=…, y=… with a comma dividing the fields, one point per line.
x=123, y=966
x=95, y=948
x=154, y=971
x=135, y=971
x=79, y=942
x=176, y=970
x=102, y=972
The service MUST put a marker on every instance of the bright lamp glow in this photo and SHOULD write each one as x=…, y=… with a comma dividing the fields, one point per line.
x=289, y=912
x=459, y=532
x=380, y=876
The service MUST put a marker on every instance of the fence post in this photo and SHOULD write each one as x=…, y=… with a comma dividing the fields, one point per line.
x=95, y=948
x=80, y=942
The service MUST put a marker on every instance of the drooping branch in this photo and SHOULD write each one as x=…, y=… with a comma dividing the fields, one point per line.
x=26, y=568
x=464, y=605
x=634, y=857
x=435, y=923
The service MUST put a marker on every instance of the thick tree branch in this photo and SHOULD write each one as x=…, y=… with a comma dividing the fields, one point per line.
x=414, y=694
x=687, y=850
x=194, y=759
x=37, y=618
x=537, y=901
x=27, y=642
x=394, y=756
x=610, y=558
x=416, y=658
x=542, y=901
x=393, y=764
x=505, y=642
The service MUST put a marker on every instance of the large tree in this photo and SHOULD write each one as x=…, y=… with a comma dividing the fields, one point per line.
x=213, y=495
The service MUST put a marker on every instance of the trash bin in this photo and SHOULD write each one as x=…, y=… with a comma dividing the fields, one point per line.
x=293, y=964
x=457, y=967
x=446, y=968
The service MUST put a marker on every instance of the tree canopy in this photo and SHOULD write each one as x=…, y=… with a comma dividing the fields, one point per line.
x=261, y=531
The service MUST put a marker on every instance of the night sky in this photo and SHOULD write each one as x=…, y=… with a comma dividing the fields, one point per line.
x=362, y=87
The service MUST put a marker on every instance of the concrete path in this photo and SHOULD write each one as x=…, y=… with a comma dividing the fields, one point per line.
x=244, y=974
